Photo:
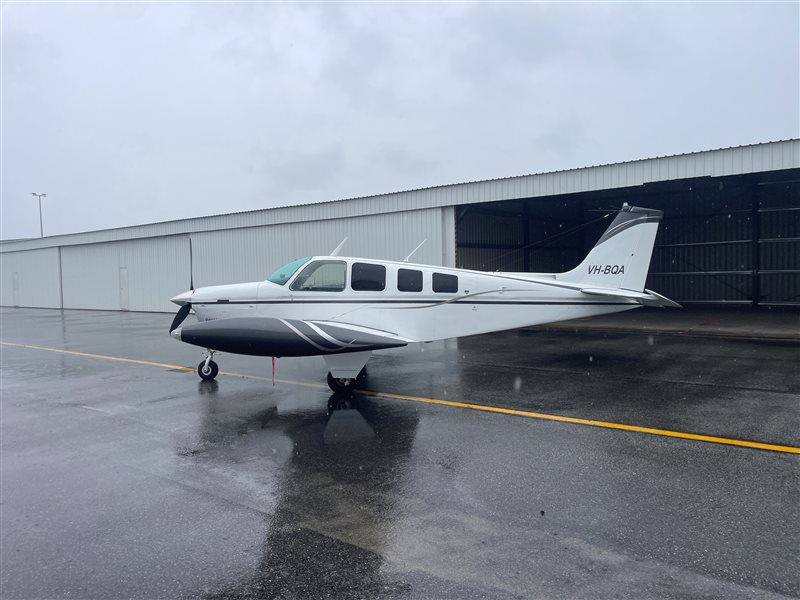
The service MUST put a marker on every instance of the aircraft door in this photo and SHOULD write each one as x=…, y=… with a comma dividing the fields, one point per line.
x=318, y=287
x=123, y=288
x=15, y=288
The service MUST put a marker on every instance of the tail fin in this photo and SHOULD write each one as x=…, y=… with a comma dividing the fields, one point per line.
x=621, y=257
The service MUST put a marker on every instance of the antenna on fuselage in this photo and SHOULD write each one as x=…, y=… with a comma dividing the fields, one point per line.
x=338, y=248
x=415, y=249
x=191, y=266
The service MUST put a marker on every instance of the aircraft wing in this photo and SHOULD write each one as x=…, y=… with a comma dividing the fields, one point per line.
x=271, y=336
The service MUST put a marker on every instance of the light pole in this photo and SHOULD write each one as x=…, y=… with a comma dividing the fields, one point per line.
x=40, y=196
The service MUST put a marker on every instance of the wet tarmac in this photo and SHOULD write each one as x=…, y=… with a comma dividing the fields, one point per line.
x=124, y=479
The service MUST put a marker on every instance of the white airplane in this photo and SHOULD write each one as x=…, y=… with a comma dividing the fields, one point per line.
x=345, y=308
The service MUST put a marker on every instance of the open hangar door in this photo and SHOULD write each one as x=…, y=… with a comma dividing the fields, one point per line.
x=725, y=240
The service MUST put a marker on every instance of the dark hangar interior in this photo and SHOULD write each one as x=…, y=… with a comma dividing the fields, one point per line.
x=723, y=240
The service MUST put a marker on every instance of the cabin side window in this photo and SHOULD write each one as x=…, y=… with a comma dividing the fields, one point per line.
x=365, y=277
x=409, y=280
x=445, y=284
x=322, y=276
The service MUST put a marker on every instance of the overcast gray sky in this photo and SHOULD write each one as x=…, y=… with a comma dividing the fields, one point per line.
x=134, y=113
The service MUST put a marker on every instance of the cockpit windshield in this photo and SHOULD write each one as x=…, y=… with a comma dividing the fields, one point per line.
x=282, y=275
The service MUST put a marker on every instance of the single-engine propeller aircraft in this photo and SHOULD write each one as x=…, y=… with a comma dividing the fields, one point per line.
x=344, y=308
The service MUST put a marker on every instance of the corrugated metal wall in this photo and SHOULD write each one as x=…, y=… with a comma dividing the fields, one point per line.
x=770, y=156
x=251, y=254
x=30, y=278
x=779, y=244
x=129, y=275
x=142, y=275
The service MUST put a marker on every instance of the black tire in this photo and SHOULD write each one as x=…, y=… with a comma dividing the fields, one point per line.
x=209, y=373
x=345, y=386
x=362, y=376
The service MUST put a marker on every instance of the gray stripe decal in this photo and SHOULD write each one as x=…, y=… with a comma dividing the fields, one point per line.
x=324, y=335
x=306, y=329
x=615, y=230
x=297, y=331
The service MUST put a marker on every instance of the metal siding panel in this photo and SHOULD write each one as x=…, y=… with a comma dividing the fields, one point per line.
x=536, y=184
x=640, y=168
x=620, y=178
x=528, y=187
x=788, y=155
x=681, y=168
x=710, y=161
x=37, y=278
x=773, y=157
x=652, y=170
x=631, y=175
x=566, y=182
x=448, y=222
x=747, y=159
x=91, y=276
x=736, y=160
x=719, y=164
x=728, y=160
x=158, y=269
x=585, y=180
x=616, y=177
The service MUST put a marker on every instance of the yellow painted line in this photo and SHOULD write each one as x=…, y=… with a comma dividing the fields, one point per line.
x=156, y=364
x=481, y=407
x=100, y=356
x=591, y=422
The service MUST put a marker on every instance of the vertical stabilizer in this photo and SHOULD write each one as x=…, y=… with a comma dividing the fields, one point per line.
x=621, y=257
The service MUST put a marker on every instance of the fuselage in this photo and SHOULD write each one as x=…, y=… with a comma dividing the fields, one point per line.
x=418, y=302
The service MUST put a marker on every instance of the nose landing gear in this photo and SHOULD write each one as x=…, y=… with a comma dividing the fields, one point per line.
x=208, y=369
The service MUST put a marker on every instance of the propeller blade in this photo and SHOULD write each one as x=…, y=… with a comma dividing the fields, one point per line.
x=182, y=313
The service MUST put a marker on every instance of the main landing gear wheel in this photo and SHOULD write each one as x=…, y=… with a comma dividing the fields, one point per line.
x=207, y=373
x=347, y=385
x=342, y=385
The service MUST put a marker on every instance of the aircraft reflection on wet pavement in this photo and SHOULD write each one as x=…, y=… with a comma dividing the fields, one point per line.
x=338, y=466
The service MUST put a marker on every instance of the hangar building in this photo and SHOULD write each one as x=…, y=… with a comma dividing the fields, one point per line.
x=731, y=234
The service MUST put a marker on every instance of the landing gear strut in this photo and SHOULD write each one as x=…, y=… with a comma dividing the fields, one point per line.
x=208, y=369
x=346, y=385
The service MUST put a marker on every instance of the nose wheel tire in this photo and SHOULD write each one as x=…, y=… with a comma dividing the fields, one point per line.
x=342, y=385
x=207, y=373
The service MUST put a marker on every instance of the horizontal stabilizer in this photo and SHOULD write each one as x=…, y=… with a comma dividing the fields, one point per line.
x=646, y=298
